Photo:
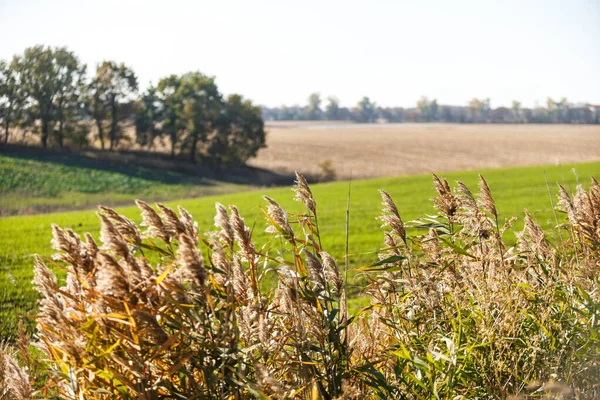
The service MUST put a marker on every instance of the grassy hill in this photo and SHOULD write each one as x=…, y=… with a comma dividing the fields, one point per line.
x=34, y=182
x=513, y=189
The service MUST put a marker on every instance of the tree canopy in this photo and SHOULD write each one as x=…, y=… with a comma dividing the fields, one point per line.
x=46, y=91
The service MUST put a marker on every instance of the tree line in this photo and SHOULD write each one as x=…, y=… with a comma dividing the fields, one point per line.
x=428, y=110
x=47, y=92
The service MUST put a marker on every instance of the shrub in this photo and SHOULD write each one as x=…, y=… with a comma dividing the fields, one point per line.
x=326, y=171
x=455, y=312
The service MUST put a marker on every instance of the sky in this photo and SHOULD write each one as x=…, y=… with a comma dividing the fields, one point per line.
x=278, y=52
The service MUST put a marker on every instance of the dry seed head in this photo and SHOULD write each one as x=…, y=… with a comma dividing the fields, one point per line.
x=187, y=221
x=485, y=197
x=315, y=270
x=242, y=233
x=127, y=228
x=151, y=219
x=15, y=378
x=111, y=279
x=241, y=284
x=564, y=201
x=390, y=242
x=112, y=239
x=391, y=217
x=191, y=267
x=332, y=273
x=583, y=205
x=60, y=241
x=45, y=283
x=304, y=194
x=173, y=225
x=468, y=201
x=279, y=217
x=221, y=262
x=43, y=279
x=446, y=201
x=537, y=236
x=90, y=245
x=222, y=222
x=431, y=245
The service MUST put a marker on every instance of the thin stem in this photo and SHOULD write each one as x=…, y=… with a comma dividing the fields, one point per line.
x=344, y=298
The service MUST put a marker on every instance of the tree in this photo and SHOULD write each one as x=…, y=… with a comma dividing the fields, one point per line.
x=479, y=110
x=69, y=77
x=96, y=107
x=148, y=115
x=433, y=110
x=428, y=110
x=516, y=111
x=171, y=104
x=563, y=110
x=12, y=98
x=313, y=111
x=365, y=111
x=332, y=111
x=116, y=83
x=202, y=105
x=241, y=133
x=38, y=76
x=552, y=110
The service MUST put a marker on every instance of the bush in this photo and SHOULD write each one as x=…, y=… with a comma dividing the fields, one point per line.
x=454, y=313
x=326, y=171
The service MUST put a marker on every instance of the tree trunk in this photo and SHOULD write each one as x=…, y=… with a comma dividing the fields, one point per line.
x=6, y=126
x=113, y=123
x=193, y=149
x=45, y=128
x=173, y=136
x=100, y=133
x=59, y=135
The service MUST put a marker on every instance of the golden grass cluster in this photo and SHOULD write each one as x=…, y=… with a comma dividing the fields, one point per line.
x=163, y=311
x=410, y=149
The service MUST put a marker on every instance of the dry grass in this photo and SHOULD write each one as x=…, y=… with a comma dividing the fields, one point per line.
x=420, y=148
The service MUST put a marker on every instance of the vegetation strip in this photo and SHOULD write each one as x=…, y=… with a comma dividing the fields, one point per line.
x=159, y=309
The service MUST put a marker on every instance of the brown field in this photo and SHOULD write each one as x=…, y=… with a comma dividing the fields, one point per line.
x=378, y=150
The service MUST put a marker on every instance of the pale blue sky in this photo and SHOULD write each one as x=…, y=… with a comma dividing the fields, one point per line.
x=277, y=52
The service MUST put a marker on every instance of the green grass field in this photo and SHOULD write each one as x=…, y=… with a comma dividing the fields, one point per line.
x=513, y=189
x=29, y=185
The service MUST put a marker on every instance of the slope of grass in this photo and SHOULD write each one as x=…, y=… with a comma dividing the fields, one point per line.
x=513, y=189
x=59, y=182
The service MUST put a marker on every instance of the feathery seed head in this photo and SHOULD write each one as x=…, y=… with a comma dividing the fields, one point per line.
x=242, y=234
x=315, y=270
x=111, y=279
x=151, y=219
x=446, y=201
x=304, y=194
x=467, y=198
x=332, y=273
x=15, y=378
x=191, y=267
x=126, y=227
x=390, y=216
x=172, y=223
x=111, y=238
x=485, y=197
x=279, y=217
x=222, y=222
x=566, y=204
